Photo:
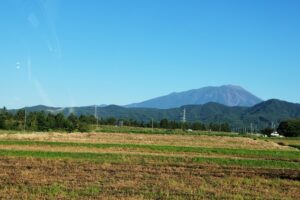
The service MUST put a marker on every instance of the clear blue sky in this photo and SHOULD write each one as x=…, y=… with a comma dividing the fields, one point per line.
x=85, y=52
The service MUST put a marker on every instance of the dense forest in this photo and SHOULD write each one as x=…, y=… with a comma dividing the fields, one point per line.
x=47, y=121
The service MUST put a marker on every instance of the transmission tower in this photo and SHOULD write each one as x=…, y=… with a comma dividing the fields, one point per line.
x=184, y=116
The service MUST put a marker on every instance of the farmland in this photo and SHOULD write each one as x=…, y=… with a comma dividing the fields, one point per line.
x=123, y=165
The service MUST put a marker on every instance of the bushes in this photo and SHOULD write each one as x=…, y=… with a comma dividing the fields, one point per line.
x=267, y=131
x=289, y=128
x=83, y=127
x=2, y=121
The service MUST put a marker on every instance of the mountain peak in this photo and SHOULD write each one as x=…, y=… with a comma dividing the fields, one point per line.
x=232, y=87
x=229, y=95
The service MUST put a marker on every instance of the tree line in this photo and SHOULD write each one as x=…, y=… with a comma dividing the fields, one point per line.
x=172, y=124
x=289, y=128
x=42, y=121
x=45, y=121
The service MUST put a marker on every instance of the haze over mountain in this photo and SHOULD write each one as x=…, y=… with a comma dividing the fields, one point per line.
x=228, y=95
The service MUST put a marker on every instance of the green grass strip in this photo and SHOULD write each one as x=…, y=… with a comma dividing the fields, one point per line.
x=276, y=154
x=146, y=159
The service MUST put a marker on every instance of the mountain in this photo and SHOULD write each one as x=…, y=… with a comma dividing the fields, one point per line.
x=228, y=95
x=260, y=115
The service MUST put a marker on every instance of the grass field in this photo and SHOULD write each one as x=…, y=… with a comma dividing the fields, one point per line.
x=116, y=165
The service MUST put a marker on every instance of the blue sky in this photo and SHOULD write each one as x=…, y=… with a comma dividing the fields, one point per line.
x=73, y=53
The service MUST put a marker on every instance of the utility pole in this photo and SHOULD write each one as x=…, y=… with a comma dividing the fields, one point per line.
x=183, y=118
x=273, y=126
x=25, y=119
x=152, y=124
x=96, y=116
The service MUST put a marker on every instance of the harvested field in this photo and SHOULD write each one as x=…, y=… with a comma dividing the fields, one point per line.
x=144, y=166
x=25, y=178
x=172, y=140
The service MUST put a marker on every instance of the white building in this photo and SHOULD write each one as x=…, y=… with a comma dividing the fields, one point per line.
x=275, y=134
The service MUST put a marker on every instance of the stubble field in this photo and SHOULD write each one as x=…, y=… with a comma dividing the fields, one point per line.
x=146, y=166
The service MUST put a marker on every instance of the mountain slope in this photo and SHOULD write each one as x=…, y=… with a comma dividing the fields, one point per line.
x=271, y=111
x=227, y=95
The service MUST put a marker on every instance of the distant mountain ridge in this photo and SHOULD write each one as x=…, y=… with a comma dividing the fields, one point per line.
x=260, y=115
x=228, y=95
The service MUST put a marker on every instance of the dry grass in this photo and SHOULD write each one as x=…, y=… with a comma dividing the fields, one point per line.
x=116, y=150
x=67, y=178
x=25, y=178
x=286, y=141
x=173, y=140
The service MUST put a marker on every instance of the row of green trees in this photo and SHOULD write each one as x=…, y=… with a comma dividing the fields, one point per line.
x=42, y=121
x=289, y=128
x=172, y=124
